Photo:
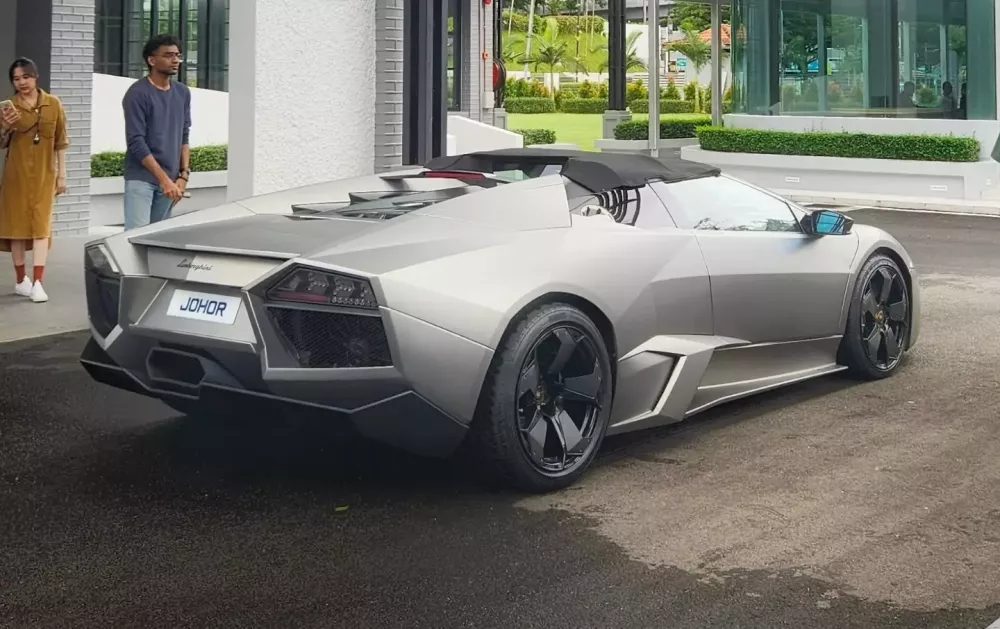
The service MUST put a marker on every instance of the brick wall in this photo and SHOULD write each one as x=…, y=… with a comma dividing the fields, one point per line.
x=388, y=84
x=72, y=66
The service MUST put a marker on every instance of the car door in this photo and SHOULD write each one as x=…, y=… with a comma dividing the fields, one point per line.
x=770, y=281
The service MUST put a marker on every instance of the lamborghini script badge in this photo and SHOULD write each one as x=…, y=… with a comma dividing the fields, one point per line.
x=189, y=264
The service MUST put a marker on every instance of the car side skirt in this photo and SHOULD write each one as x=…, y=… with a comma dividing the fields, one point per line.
x=685, y=375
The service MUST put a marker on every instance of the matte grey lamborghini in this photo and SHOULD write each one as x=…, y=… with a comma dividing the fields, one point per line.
x=518, y=305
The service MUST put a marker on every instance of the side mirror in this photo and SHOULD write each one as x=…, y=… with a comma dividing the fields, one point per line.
x=827, y=223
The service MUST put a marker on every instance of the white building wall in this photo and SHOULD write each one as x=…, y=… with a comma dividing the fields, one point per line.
x=302, y=93
x=209, y=115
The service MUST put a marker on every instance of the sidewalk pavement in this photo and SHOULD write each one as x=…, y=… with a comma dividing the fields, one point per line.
x=65, y=311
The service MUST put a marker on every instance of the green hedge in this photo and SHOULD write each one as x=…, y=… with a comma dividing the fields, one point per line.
x=529, y=105
x=666, y=106
x=856, y=145
x=537, y=136
x=203, y=159
x=673, y=129
x=584, y=105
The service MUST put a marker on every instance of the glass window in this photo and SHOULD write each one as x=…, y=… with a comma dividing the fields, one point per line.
x=652, y=213
x=124, y=26
x=885, y=58
x=726, y=204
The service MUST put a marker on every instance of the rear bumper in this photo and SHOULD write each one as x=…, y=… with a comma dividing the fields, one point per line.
x=248, y=368
x=208, y=380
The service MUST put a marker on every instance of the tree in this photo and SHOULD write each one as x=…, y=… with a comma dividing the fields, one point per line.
x=692, y=16
x=632, y=59
x=697, y=50
x=698, y=53
x=551, y=52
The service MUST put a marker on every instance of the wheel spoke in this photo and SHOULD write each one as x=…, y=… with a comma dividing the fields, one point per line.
x=886, y=288
x=530, y=379
x=567, y=431
x=583, y=388
x=897, y=312
x=537, y=432
x=873, y=343
x=892, y=345
x=567, y=345
x=868, y=304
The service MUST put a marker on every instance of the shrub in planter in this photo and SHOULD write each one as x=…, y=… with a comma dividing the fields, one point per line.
x=666, y=107
x=853, y=145
x=537, y=136
x=671, y=92
x=673, y=129
x=585, y=106
x=529, y=105
x=602, y=91
x=587, y=90
x=204, y=159
x=690, y=91
x=519, y=88
x=107, y=165
x=636, y=91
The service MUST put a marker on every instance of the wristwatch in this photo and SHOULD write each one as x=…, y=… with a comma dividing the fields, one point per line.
x=185, y=173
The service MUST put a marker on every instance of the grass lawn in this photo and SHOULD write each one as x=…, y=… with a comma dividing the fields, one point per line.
x=580, y=129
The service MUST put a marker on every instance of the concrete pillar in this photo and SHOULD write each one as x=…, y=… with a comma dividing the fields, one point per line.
x=301, y=93
x=718, y=90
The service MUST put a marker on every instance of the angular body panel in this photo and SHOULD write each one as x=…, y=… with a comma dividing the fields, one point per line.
x=424, y=274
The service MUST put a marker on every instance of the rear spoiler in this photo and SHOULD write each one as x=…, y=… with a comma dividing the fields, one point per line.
x=470, y=177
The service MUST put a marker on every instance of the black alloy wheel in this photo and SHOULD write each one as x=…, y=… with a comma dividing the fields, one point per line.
x=559, y=399
x=885, y=308
x=878, y=324
x=546, y=402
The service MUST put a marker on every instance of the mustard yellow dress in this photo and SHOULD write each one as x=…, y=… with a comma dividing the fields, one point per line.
x=28, y=187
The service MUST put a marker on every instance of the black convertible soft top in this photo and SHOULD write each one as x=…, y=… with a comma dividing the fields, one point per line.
x=597, y=172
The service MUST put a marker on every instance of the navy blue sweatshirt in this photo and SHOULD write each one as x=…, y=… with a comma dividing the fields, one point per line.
x=157, y=123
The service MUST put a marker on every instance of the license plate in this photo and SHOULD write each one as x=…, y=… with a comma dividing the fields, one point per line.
x=204, y=307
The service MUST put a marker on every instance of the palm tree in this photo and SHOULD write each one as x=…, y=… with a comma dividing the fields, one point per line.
x=698, y=52
x=632, y=59
x=551, y=52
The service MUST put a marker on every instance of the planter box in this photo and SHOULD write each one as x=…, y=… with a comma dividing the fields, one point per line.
x=107, y=197
x=641, y=147
x=968, y=181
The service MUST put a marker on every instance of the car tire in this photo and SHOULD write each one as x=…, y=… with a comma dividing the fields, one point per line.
x=552, y=368
x=878, y=322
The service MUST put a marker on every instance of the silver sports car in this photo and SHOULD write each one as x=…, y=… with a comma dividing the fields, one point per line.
x=515, y=305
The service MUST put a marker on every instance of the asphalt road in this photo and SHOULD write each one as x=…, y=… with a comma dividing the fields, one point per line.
x=831, y=504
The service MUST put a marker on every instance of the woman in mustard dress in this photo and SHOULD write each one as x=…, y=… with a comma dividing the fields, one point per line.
x=33, y=131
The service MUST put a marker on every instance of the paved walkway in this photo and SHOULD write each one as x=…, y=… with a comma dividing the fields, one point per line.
x=66, y=309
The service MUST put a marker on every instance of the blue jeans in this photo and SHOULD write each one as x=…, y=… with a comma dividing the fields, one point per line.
x=145, y=203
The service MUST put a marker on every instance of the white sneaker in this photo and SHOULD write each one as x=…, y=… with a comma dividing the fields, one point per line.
x=38, y=294
x=24, y=288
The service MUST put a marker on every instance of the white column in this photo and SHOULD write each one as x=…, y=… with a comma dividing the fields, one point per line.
x=822, y=53
x=301, y=93
x=654, y=78
x=718, y=91
x=943, y=37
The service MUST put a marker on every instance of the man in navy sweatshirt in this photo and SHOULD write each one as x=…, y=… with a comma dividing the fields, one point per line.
x=157, y=128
